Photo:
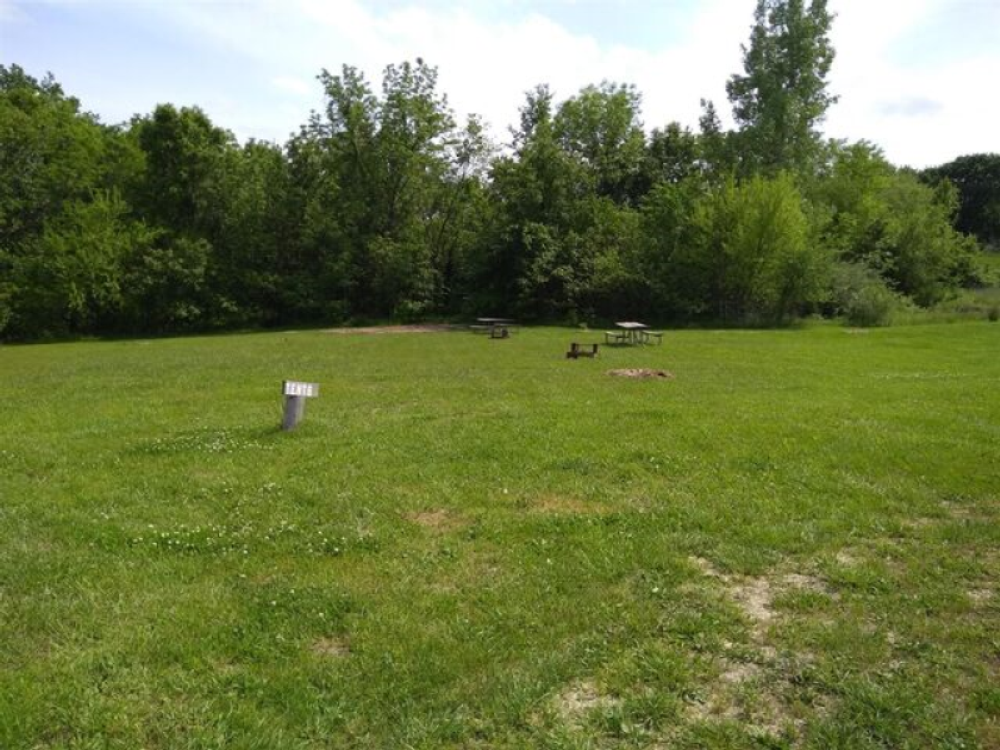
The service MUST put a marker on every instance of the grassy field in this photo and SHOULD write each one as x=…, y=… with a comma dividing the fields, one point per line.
x=470, y=543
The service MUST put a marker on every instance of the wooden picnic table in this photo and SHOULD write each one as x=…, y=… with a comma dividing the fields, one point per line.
x=632, y=329
x=498, y=328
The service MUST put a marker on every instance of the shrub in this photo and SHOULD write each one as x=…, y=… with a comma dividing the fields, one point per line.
x=993, y=314
x=861, y=296
x=411, y=311
x=873, y=305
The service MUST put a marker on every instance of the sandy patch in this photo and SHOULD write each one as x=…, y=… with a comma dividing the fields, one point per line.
x=641, y=372
x=744, y=691
x=847, y=558
x=979, y=596
x=736, y=673
x=376, y=330
x=579, y=699
x=558, y=504
x=755, y=596
x=331, y=647
x=436, y=520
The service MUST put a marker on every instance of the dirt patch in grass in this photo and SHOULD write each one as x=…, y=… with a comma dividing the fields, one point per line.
x=847, y=558
x=749, y=692
x=437, y=520
x=755, y=596
x=641, y=372
x=331, y=647
x=563, y=504
x=744, y=693
x=579, y=699
x=736, y=673
x=919, y=522
x=376, y=330
x=714, y=707
x=706, y=568
x=979, y=597
x=969, y=513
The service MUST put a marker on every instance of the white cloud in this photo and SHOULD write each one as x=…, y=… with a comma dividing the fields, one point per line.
x=919, y=114
x=484, y=67
x=879, y=91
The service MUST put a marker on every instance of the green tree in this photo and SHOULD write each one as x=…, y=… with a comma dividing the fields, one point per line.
x=926, y=258
x=73, y=279
x=190, y=188
x=600, y=127
x=166, y=285
x=719, y=152
x=977, y=177
x=852, y=189
x=781, y=97
x=673, y=154
x=528, y=257
x=249, y=193
x=674, y=257
x=61, y=219
x=739, y=251
x=766, y=268
x=181, y=183
x=389, y=155
x=886, y=220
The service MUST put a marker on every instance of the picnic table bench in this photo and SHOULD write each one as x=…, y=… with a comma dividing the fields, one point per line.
x=577, y=350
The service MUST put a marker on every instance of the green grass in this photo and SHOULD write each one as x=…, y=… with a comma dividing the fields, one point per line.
x=473, y=543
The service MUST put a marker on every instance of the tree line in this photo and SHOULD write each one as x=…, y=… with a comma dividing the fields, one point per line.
x=384, y=206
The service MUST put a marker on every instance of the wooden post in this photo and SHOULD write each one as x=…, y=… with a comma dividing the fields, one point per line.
x=296, y=394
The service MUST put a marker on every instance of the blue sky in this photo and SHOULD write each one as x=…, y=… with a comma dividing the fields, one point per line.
x=918, y=78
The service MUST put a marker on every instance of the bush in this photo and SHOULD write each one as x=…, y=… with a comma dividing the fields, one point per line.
x=993, y=315
x=411, y=311
x=861, y=296
x=873, y=305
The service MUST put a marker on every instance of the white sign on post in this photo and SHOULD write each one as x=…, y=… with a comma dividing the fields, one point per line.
x=298, y=388
x=296, y=393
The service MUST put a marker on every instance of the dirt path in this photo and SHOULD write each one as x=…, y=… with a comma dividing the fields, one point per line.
x=375, y=330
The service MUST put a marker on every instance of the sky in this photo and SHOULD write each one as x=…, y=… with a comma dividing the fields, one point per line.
x=917, y=77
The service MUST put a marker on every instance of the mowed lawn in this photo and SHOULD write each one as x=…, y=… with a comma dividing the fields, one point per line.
x=795, y=542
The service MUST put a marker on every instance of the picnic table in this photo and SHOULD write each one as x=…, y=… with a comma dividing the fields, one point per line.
x=632, y=332
x=494, y=321
x=498, y=328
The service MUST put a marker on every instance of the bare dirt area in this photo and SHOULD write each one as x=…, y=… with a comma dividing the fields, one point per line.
x=641, y=372
x=437, y=520
x=749, y=692
x=564, y=504
x=332, y=647
x=575, y=702
x=377, y=330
